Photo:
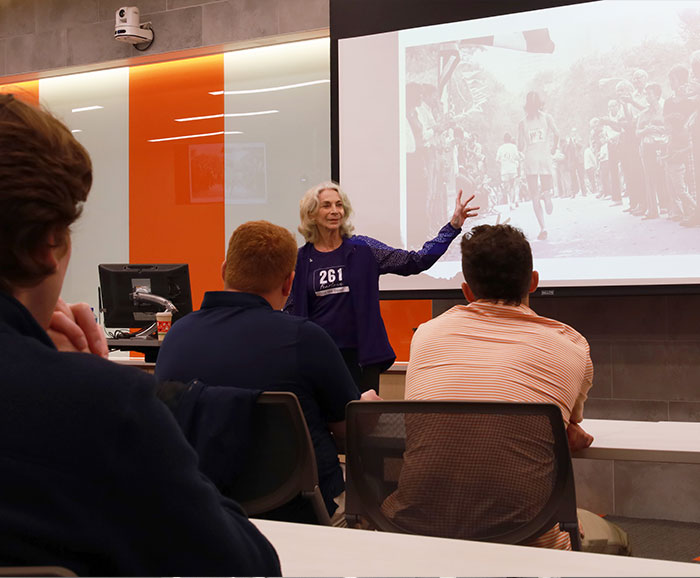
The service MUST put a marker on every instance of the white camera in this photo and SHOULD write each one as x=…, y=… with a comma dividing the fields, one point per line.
x=127, y=26
x=128, y=15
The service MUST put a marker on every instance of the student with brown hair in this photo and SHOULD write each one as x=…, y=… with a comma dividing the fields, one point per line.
x=96, y=475
x=496, y=349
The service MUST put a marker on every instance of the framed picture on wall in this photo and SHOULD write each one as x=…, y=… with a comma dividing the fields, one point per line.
x=206, y=167
x=246, y=173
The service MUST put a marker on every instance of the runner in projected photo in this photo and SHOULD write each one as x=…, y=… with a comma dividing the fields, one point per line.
x=583, y=131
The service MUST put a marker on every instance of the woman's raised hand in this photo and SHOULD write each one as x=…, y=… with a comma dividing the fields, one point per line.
x=462, y=211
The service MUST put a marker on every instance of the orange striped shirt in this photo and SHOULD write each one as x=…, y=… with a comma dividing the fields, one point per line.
x=488, y=351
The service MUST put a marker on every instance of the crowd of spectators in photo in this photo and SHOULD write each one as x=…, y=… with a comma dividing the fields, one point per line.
x=642, y=153
x=443, y=157
x=645, y=148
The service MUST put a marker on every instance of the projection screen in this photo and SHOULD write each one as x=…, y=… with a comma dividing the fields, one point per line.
x=575, y=123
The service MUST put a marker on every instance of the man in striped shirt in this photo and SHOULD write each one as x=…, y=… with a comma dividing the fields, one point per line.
x=495, y=349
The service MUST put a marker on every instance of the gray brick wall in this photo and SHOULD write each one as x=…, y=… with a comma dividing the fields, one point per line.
x=41, y=35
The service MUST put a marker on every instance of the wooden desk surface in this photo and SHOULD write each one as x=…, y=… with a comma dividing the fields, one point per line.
x=306, y=550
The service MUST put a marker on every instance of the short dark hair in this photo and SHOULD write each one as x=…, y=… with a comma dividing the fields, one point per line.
x=497, y=263
x=45, y=176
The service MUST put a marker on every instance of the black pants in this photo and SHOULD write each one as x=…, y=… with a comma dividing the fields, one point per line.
x=366, y=377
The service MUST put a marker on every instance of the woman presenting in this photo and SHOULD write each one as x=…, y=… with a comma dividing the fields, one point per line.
x=337, y=277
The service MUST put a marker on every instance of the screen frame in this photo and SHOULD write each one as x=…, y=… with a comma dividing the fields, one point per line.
x=113, y=274
x=353, y=18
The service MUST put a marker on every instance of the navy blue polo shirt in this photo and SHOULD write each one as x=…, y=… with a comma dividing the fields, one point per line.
x=96, y=476
x=237, y=339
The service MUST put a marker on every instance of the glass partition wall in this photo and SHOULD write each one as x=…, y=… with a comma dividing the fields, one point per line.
x=185, y=151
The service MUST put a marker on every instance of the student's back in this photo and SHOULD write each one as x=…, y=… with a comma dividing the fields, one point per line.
x=237, y=339
x=95, y=475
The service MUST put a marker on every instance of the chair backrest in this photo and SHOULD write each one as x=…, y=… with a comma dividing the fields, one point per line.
x=35, y=571
x=281, y=466
x=497, y=472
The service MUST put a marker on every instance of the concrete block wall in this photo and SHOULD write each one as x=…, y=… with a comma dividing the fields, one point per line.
x=43, y=35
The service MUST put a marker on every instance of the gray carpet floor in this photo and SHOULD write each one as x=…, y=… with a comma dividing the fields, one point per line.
x=661, y=539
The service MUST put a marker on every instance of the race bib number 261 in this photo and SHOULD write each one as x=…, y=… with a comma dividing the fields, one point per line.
x=329, y=281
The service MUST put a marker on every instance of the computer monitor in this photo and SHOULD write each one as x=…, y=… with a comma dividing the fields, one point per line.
x=119, y=281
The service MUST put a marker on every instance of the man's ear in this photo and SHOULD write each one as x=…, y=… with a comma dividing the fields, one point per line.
x=287, y=285
x=534, y=281
x=223, y=271
x=52, y=249
x=47, y=256
x=468, y=293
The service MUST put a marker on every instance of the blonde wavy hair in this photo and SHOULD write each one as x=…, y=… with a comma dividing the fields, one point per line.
x=308, y=209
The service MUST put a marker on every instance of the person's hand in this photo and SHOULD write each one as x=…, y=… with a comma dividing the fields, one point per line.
x=370, y=395
x=73, y=328
x=369, y=422
x=463, y=211
x=578, y=437
x=498, y=220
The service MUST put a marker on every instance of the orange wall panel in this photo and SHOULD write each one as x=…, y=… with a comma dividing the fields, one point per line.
x=25, y=91
x=401, y=318
x=176, y=187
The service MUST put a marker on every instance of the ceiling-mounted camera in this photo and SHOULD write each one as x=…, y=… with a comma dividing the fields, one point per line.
x=127, y=28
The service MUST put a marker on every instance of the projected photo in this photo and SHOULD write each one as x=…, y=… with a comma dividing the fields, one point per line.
x=583, y=131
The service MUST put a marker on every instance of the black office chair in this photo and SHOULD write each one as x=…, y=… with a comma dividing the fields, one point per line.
x=280, y=478
x=496, y=472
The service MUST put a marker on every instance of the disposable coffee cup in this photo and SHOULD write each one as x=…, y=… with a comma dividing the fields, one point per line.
x=165, y=322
